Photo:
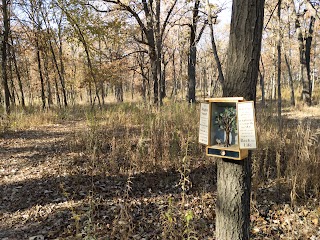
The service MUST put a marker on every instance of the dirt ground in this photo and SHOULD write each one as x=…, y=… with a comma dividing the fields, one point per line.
x=48, y=191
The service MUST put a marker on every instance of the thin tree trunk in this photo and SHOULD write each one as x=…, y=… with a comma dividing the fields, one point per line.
x=132, y=85
x=101, y=83
x=43, y=98
x=4, y=61
x=46, y=73
x=174, y=75
x=57, y=92
x=30, y=95
x=119, y=92
x=292, y=99
x=213, y=44
x=262, y=74
x=18, y=75
x=279, y=67
x=163, y=78
x=181, y=73
x=62, y=72
x=14, y=93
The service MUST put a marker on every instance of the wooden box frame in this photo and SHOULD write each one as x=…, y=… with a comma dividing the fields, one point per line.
x=216, y=106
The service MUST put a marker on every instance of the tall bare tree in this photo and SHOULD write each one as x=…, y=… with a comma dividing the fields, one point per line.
x=4, y=62
x=147, y=15
x=192, y=60
x=279, y=38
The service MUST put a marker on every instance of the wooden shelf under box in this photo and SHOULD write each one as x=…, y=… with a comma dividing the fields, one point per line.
x=232, y=152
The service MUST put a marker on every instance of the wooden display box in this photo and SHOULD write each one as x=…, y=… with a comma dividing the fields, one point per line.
x=213, y=134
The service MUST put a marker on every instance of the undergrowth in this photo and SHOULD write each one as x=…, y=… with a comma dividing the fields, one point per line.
x=131, y=138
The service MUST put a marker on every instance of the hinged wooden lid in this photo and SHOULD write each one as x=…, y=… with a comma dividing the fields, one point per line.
x=224, y=99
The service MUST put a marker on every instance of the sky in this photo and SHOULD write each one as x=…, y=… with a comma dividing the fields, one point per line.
x=225, y=16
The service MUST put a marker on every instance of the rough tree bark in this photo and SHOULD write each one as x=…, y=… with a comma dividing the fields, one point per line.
x=192, y=60
x=43, y=97
x=4, y=61
x=193, y=56
x=279, y=67
x=261, y=75
x=292, y=100
x=14, y=58
x=234, y=177
x=305, y=52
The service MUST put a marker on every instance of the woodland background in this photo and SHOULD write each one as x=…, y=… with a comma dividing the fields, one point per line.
x=99, y=122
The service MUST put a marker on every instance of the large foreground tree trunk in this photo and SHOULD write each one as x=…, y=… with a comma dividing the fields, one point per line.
x=234, y=177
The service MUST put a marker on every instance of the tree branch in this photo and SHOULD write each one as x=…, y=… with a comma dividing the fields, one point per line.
x=167, y=19
x=131, y=11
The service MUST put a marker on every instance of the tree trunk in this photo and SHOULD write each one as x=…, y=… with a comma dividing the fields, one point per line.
x=46, y=73
x=119, y=92
x=305, y=50
x=262, y=74
x=193, y=54
x=57, y=92
x=14, y=93
x=62, y=79
x=4, y=61
x=181, y=71
x=263, y=101
x=163, y=78
x=60, y=72
x=28, y=82
x=234, y=177
x=154, y=76
x=308, y=58
x=279, y=67
x=292, y=100
x=18, y=75
x=192, y=73
x=174, y=75
x=43, y=98
x=213, y=44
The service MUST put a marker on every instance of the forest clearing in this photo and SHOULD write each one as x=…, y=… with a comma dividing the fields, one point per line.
x=176, y=119
x=129, y=172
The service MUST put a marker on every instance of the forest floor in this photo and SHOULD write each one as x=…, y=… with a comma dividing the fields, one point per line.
x=50, y=191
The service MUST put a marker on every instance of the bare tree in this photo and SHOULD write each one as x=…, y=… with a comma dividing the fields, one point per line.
x=4, y=62
x=192, y=60
x=147, y=15
x=279, y=37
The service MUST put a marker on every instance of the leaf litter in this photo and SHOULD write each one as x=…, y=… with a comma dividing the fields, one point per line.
x=48, y=191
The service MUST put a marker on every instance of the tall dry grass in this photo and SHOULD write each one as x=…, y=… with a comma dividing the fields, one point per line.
x=132, y=138
x=292, y=156
x=139, y=138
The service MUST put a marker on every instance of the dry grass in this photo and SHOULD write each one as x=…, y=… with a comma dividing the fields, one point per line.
x=131, y=172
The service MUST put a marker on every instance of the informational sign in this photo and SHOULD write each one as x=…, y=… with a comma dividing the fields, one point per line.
x=204, y=123
x=246, y=125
